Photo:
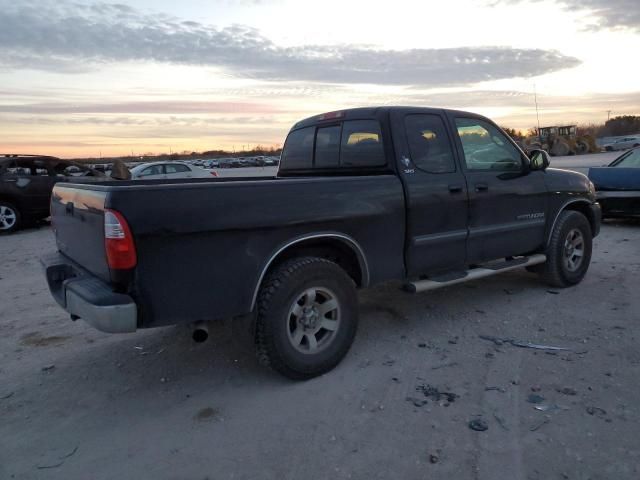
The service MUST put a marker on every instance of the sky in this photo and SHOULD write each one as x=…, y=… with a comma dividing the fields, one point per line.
x=83, y=78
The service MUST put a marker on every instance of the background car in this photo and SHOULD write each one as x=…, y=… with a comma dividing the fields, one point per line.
x=168, y=170
x=618, y=185
x=624, y=143
x=26, y=182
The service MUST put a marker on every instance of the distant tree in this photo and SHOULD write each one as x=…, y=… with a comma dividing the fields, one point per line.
x=622, y=125
x=513, y=133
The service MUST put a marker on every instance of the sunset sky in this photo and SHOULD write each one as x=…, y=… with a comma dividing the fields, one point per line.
x=82, y=78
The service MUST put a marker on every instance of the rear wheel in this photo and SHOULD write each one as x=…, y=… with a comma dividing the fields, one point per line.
x=569, y=250
x=307, y=317
x=9, y=217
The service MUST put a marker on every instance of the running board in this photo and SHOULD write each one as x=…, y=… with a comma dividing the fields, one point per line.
x=476, y=273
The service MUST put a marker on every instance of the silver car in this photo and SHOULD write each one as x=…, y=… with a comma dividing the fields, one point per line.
x=624, y=143
x=168, y=170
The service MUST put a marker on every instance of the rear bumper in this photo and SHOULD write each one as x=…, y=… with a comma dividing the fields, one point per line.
x=86, y=296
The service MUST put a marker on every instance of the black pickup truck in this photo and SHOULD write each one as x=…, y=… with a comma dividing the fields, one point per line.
x=428, y=196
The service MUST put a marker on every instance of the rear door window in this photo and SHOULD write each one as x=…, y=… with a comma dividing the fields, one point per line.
x=429, y=143
x=298, y=149
x=361, y=144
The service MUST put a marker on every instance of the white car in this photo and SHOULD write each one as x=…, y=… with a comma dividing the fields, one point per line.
x=169, y=170
x=624, y=143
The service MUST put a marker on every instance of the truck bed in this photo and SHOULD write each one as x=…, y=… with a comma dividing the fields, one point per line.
x=223, y=232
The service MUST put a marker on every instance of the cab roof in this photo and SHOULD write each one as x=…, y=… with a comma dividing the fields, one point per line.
x=365, y=113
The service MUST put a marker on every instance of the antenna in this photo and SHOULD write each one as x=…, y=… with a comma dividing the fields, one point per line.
x=535, y=98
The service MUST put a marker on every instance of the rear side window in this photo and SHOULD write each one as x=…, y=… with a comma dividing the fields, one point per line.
x=176, y=168
x=361, y=144
x=298, y=149
x=352, y=144
x=153, y=170
x=328, y=147
x=429, y=143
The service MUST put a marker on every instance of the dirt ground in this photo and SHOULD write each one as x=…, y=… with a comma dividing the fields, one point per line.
x=78, y=404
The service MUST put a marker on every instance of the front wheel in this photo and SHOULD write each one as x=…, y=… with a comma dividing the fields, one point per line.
x=307, y=317
x=569, y=250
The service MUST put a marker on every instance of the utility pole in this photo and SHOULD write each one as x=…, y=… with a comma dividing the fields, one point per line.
x=608, y=115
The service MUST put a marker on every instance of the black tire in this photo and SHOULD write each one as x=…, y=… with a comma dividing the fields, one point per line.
x=279, y=297
x=10, y=218
x=557, y=270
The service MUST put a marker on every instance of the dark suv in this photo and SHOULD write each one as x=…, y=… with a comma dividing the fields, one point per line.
x=26, y=182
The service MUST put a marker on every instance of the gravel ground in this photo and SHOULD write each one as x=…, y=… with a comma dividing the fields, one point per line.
x=78, y=404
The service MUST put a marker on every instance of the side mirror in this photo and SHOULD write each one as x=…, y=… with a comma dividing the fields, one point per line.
x=539, y=159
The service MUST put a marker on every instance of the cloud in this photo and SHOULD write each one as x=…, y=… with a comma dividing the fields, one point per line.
x=607, y=14
x=70, y=37
x=159, y=107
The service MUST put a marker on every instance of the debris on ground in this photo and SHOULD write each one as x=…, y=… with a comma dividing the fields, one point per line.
x=518, y=343
x=48, y=368
x=501, y=422
x=548, y=407
x=422, y=345
x=451, y=364
x=206, y=414
x=433, y=458
x=8, y=395
x=417, y=402
x=70, y=454
x=537, y=426
x=478, y=425
x=497, y=389
x=60, y=463
x=435, y=394
x=596, y=411
x=453, y=340
x=534, y=398
x=388, y=363
x=566, y=391
x=53, y=465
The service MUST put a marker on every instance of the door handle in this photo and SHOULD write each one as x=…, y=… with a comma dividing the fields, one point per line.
x=455, y=188
x=482, y=187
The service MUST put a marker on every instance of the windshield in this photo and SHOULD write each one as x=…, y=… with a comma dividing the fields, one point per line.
x=630, y=160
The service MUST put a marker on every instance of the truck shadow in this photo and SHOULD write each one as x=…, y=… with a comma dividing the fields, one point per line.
x=145, y=373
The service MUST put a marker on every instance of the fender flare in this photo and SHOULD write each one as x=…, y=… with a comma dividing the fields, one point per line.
x=346, y=239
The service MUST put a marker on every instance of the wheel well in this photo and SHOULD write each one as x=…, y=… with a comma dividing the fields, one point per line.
x=334, y=249
x=583, y=208
x=13, y=201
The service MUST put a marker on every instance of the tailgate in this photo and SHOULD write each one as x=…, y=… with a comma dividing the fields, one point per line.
x=77, y=215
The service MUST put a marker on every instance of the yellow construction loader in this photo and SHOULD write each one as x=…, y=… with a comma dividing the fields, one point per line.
x=562, y=140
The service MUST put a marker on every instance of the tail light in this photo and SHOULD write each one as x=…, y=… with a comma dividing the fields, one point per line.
x=118, y=242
